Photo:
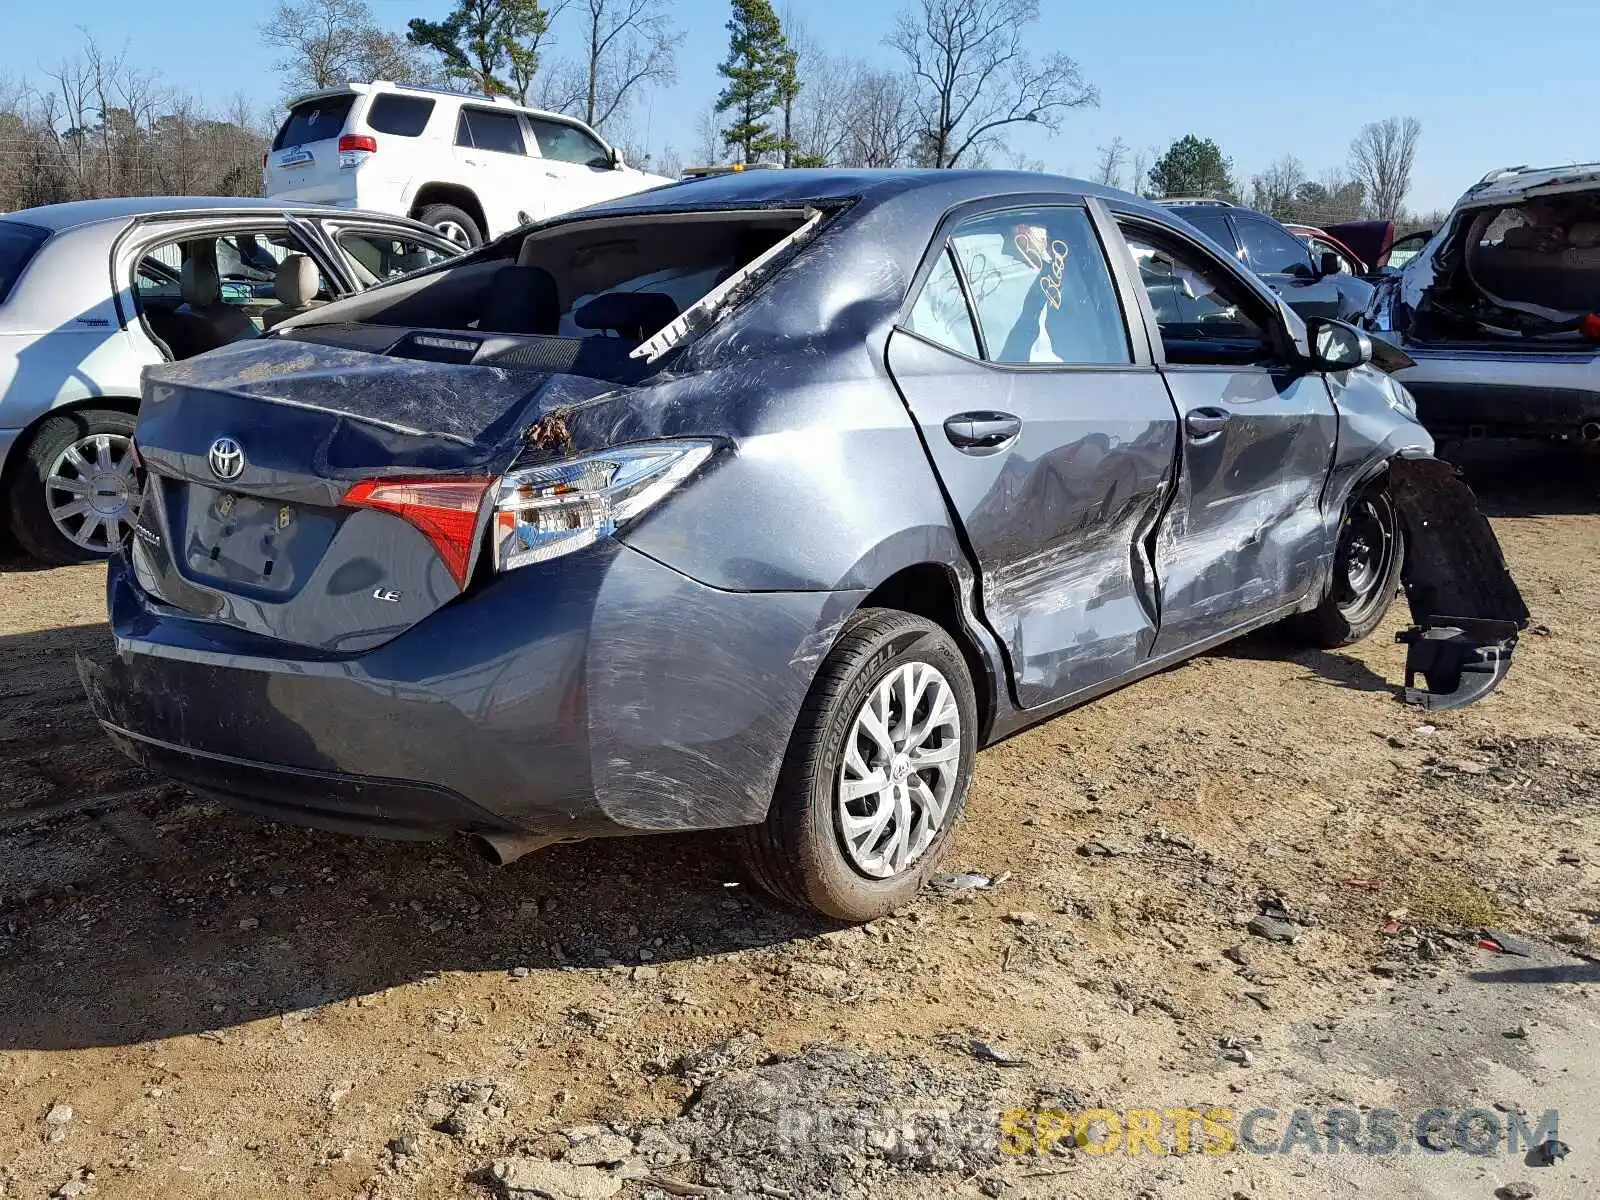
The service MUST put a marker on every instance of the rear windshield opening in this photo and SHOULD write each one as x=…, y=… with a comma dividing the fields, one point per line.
x=1519, y=271
x=314, y=121
x=1544, y=252
x=621, y=280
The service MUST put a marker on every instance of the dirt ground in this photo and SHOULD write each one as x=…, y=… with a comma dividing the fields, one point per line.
x=195, y=1004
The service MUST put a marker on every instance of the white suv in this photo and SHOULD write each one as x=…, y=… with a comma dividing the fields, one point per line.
x=471, y=167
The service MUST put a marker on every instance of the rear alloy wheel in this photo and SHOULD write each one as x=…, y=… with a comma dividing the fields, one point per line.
x=1366, y=574
x=75, y=496
x=453, y=224
x=876, y=775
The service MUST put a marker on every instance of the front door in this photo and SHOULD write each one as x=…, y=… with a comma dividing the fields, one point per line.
x=1245, y=535
x=576, y=167
x=1053, y=436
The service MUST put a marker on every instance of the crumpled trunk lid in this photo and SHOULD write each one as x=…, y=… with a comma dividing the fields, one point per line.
x=250, y=451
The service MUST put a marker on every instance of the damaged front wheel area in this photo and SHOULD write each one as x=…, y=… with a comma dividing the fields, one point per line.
x=1466, y=608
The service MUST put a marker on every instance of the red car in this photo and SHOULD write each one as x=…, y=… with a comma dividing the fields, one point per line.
x=1362, y=246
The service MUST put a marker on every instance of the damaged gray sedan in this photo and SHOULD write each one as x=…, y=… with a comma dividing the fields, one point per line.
x=760, y=501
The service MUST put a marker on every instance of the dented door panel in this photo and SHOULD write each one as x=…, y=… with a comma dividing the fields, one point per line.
x=1055, y=519
x=1245, y=535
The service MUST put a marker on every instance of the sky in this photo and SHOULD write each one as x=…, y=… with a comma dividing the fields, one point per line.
x=1491, y=87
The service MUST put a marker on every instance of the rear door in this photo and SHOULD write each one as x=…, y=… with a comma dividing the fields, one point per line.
x=1284, y=261
x=1245, y=534
x=492, y=154
x=1051, y=432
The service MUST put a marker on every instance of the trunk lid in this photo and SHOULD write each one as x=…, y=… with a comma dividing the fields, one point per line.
x=250, y=451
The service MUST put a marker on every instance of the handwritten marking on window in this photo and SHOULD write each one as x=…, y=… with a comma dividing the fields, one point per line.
x=1047, y=257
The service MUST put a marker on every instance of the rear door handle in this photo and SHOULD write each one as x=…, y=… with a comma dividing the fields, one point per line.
x=982, y=432
x=1203, y=423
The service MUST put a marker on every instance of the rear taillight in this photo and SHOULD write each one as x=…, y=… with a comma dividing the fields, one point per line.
x=354, y=148
x=445, y=510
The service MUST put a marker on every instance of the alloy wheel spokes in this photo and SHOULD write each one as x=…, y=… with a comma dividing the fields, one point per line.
x=900, y=769
x=91, y=493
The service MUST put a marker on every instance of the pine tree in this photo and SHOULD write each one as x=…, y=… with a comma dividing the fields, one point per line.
x=757, y=51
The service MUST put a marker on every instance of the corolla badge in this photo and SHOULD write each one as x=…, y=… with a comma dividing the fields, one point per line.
x=226, y=458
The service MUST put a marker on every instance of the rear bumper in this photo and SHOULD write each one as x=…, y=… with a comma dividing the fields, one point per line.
x=1480, y=394
x=602, y=694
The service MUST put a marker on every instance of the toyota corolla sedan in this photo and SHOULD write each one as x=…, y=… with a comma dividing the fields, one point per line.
x=760, y=501
x=94, y=291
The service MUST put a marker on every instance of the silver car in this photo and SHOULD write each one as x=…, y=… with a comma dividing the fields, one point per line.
x=1500, y=312
x=93, y=292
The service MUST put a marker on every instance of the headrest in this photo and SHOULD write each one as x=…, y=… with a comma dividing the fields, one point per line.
x=298, y=281
x=198, y=281
x=632, y=314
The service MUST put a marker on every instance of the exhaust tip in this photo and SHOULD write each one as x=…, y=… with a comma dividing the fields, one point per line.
x=503, y=849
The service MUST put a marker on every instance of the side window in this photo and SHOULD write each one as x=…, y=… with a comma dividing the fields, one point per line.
x=1041, y=287
x=1273, y=251
x=1213, y=222
x=380, y=256
x=1205, y=315
x=245, y=264
x=403, y=116
x=941, y=314
x=566, y=143
x=483, y=129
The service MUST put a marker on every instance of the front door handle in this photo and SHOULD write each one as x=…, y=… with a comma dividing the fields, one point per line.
x=982, y=432
x=1203, y=423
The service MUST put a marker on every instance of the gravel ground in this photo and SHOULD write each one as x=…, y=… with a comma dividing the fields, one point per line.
x=1253, y=881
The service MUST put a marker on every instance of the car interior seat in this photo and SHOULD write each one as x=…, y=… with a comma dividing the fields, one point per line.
x=297, y=287
x=634, y=315
x=522, y=298
x=204, y=322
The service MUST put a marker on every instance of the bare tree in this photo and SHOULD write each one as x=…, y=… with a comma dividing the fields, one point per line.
x=708, y=136
x=1277, y=189
x=1381, y=158
x=627, y=45
x=1108, y=170
x=976, y=78
x=330, y=42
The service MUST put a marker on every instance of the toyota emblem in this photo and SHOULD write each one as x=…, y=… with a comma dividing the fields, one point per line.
x=226, y=459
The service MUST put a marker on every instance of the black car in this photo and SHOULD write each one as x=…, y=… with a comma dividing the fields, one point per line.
x=761, y=500
x=1314, y=286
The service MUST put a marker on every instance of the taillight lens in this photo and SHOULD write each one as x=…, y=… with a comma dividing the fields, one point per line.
x=547, y=511
x=446, y=510
x=354, y=148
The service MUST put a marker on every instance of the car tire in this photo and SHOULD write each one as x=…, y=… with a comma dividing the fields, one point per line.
x=453, y=223
x=29, y=494
x=801, y=854
x=1366, y=574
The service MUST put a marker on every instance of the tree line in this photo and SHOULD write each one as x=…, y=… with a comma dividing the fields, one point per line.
x=960, y=77
x=1372, y=184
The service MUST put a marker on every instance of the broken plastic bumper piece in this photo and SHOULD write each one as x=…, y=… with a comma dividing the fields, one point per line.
x=1465, y=605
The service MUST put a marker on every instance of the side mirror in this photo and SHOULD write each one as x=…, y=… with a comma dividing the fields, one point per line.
x=1329, y=264
x=1336, y=346
x=617, y=162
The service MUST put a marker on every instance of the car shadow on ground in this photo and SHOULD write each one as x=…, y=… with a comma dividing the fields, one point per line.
x=180, y=917
x=1329, y=667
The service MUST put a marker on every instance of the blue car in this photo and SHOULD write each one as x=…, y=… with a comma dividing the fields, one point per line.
x=760, y=501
